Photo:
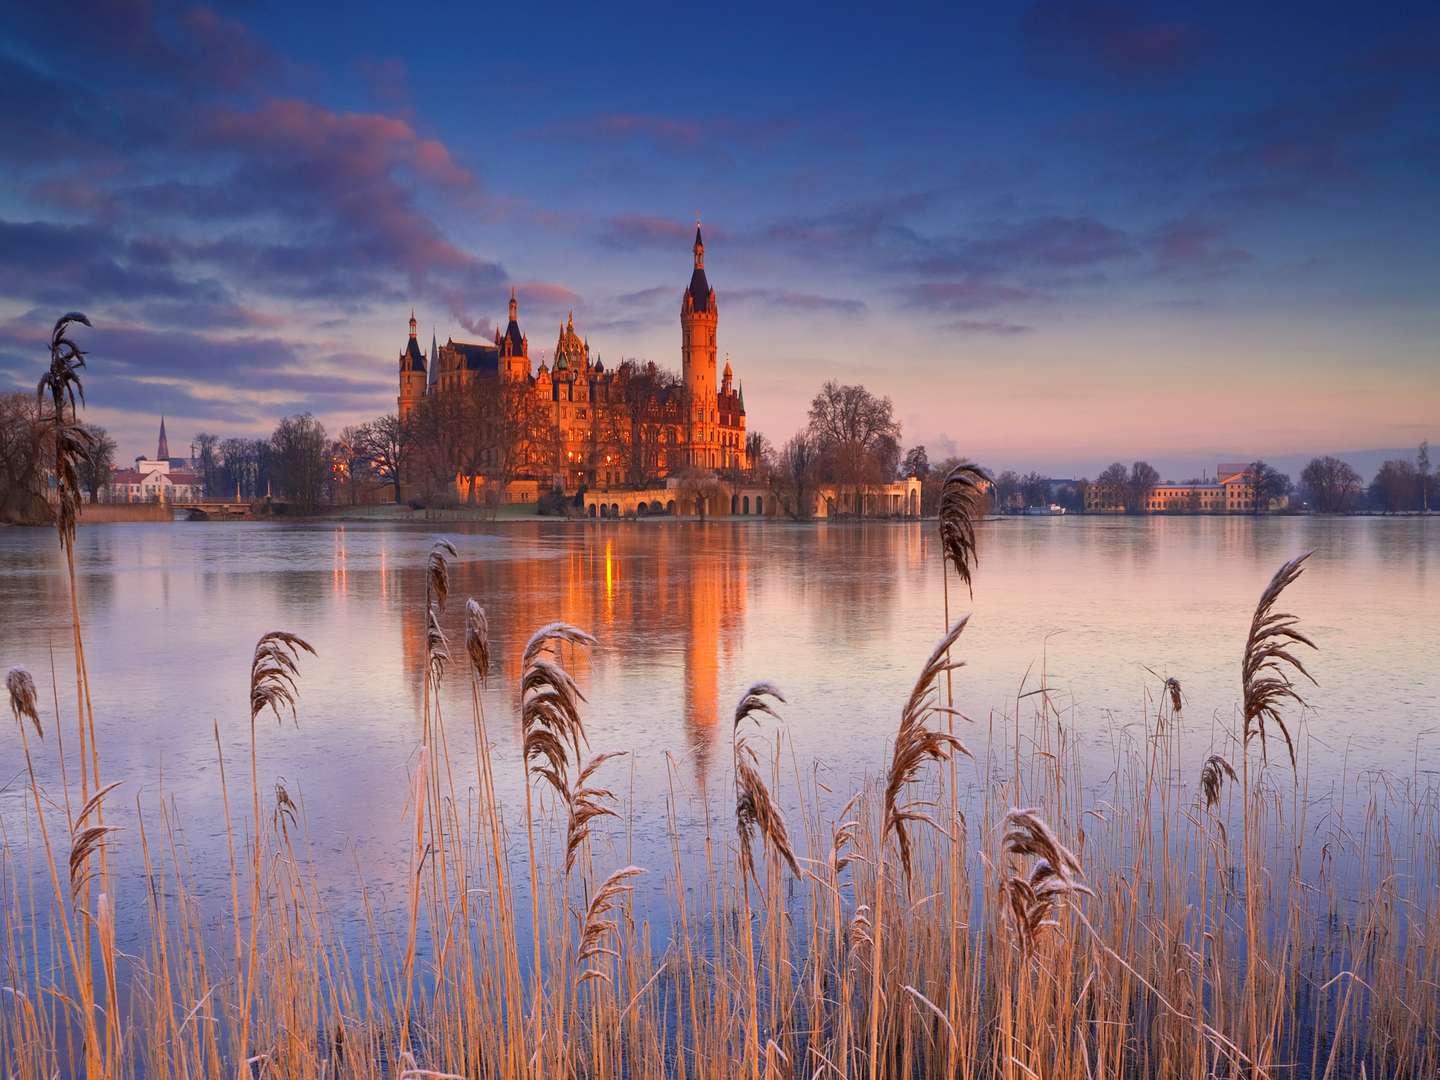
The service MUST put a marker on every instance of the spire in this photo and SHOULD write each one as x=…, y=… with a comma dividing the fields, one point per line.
x=698, y=293
x=162, y=451
x=412, y=322
x=514, y=307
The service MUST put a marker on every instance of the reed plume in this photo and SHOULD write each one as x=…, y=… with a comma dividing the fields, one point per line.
x=1177, y=699
x=73, y=444
x=273, y=674
x=962, y=503
x=584, y=805
x=597, y=928
x=1212, y=777
x=550, y=706
x=477, y=639
x=23, y=700
x=915, y=744
x=62, y=379
x=285, y=809
x=437, y=571
x=842, y=837
x=437, y=648
x=755, y=809
x=87, y=837
x=1269, y=662
x=1056, y=876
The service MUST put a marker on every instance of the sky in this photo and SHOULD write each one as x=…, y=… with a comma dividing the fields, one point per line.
x=1054, y=235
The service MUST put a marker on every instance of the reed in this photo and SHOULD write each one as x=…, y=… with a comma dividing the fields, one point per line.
x=918, y=927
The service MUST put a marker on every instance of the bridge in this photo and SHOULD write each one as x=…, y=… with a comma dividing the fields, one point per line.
x=216, y=510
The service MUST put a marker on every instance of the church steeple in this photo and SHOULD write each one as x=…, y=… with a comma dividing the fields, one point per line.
x=162, y=451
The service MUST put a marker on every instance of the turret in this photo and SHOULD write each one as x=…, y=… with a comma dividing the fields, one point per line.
x=699, y=318
x=514, y=346
x=412, y=374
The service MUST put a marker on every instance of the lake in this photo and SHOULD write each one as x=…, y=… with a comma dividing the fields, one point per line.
x=838, y=616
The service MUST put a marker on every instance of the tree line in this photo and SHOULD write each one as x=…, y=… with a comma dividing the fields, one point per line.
x=851, y=441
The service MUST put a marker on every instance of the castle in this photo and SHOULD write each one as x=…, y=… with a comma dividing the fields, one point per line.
x=592, y=414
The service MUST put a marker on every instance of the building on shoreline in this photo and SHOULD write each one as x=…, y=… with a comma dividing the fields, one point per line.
x=159, y=479
x=586, y=425
x=1231, y=492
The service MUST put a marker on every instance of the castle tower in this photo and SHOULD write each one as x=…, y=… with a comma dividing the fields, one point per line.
x=412, y=374
x=162, y=449
x=514, y=346
x=698, y=319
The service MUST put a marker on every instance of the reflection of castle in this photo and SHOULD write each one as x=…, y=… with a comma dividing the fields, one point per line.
x=687, y=590
x=702, y=422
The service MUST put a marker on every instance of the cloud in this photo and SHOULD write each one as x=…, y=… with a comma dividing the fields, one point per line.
x=1047, y=243
x=1110, y=39
x=990, y=327
x=547, y=296
x=960, y=296
x=1194, y=247
x=633, y=231
x=1307, y=141
x=786, y=299
x=80, y=265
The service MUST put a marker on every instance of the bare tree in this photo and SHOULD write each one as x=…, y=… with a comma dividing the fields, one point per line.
x=760, y=457
x=1422, y=467
x=857, y=436
x=1036, y=489
x=1269, y=484
x=1007, y=491
x=1331, y=485
x=207, y=449
x=23, y=456
x=917, y=464
x=98, y=465
x=516, y=429
x=645, y=403
x=302, y=460
x=796, y=476
x=1138, y=486
x=385, y=444
x=1395, y=487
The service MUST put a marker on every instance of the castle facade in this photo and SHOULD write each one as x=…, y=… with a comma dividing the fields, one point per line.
x=594, y=418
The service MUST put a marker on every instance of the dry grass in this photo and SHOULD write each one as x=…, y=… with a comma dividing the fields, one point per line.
x=962, y=503
x=1026, y=921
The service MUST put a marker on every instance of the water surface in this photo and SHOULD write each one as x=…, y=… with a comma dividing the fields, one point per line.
x=839, y=616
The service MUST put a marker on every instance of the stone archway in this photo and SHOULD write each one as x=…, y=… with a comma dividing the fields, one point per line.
x=745, y=504
x=759, y=506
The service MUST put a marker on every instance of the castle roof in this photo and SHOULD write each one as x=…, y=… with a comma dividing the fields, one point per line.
x=699, y=290
x=514, y=338
x=476, y=356
x=412, y=359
